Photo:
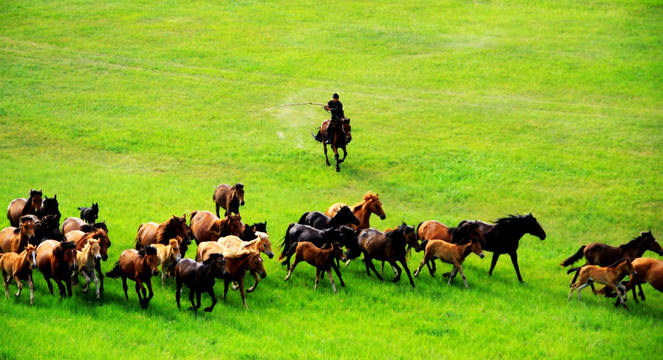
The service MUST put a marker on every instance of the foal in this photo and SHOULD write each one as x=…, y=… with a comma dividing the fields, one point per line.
x=168, y=256
x=322, y=259
x=449, y=253
x=86, y=260
x=19, y=267
x=138, y=266
x=610, y=276
x=14, y=239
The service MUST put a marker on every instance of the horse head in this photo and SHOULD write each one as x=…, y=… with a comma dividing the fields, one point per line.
x=652, y=243
x=410, y=236
x=174, y=252
x=476, y=248
x=374, y=204
x=31, y=252
x=35, y=199
x=630, y=268
x=256, y=265
x=238, y=193
x=27, y=228
x=266, y=246
x=533, y=226
x=345, y=216
x=218, y=264
x=337, y=251
x=66, y=252
x=94, y=248
x=151, y=260
x=50, y=206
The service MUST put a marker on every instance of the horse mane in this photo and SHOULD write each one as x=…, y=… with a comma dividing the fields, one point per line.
x=633, y=243
x=148, y=250
x=168, y=230
x=34, y=193
x=369, y=196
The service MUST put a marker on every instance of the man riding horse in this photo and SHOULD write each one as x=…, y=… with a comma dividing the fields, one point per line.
x=335, y=107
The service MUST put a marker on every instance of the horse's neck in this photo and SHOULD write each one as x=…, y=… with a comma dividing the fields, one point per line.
x=466, y=250
x=510, y=231
x=634, y=250
x=363, y=214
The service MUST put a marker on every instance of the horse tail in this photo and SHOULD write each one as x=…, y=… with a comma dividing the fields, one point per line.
x=115, y=272
x=302, y=220
x=577, y=268
x=575, y=257
x=138, y=244
x=285, y=245
x=417, y=229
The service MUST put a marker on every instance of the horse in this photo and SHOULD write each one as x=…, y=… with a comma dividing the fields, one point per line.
x=370, y=204
x=230, y=198
x=338, y=141
x=449, y=253
x=16, y=239
x=602, y=254
x=50, y=206
x=259, y=244
x=649, y=271
x=86, y=259
x=466, y=231
x=57, y=260
x=168, y=256
x=22, y=206
x=237, y=265
x=97, y=231
x=90, y=214
x=207, y=227
x=139, y=266
x=387, y=246
x=46, y=228
x=298, y=232
x=610, y=276
x=199, y=277
x=153, y=233
x=74, y=223
x=504, y=236
x=321, y=259
x=320, y=221
x=19, y=267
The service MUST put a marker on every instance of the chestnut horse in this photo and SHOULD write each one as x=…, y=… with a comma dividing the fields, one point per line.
x=648, y=271
x=19, y=267
x=370, y=204
x=260, y=244
x=339, y=140
x=153, y=233
x=207, y=227
x=449, y=253
x=139, y=266
x=610, y=276
x=321, y=259
x=22, y=206
x=466, y=231
x=86, y=259
x=98, y=230
x=16, y=239
x=229, y=198
x=199, y=277
x=168, y=256
x=387, y=246
x=57, y=260
x=237, y=265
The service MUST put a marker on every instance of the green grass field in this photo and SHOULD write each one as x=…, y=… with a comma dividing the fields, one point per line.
x=460, y=110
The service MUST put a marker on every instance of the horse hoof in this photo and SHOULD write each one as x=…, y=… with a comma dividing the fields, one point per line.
x=208, y=309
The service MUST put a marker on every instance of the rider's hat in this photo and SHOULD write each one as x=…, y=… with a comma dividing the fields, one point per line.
x=335, y=96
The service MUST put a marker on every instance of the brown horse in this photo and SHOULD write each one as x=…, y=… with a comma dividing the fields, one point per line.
x=610, y=276
x=16, y=239
x=199, y=277
x=231, y=244
x=207, y=227
x=138, y=266
x=322, y=259
x=168, y=256
x=466, y=231
x=370, y=204
x=603, y=255
x=228, y=246
x=339, y=140
x=649, y=271
x=97, y=231
x=387, y=246
x=230, y=198
x=449, y=253
x=19, y=267
x=153, y=233
x=86, y=259
x=22, y=206
x=57, y=261
x=237, y=265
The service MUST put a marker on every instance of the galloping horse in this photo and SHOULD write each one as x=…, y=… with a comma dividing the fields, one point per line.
x=321, y=259
x=16, y=239
x=57, y=261
x=504, y=236
x=603, y=255
x=466, y=231
x=97, y=231
x=369, y=205
x=138, y=266
x=389, y=246
x=153, y=233
x=22, y=206
x=199, y=277
x=610, y=276
x=90, y=214
x=19, y=267
x=229, y=198
x=449, y=253
x=648, y=271
x=320, y=221
x=340, y=138
x=168, y=256
x=46, y=228
x=50, y=206
x=298, y=233
x=207, y=227
x=86, y=259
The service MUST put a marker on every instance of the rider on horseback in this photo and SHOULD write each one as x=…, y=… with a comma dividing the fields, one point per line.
x=336, y=108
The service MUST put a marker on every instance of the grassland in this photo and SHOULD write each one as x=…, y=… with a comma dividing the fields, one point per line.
x=460, y=110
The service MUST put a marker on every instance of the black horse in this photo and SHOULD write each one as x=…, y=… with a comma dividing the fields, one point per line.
x=90, y=214
x=199, y=277
x=503, y=237
x=50, y=206
x=344, y=235
x=320, y=221
x=340, y=130
x=47, y=228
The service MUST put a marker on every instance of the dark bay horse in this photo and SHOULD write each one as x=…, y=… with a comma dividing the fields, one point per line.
x=22, y=206
x=340, y=138
x=57, y=260
x=237, y=265
x=298, y=233
x=370, y=204
x=390, y=246
x=504, y=236
x=230, y=198
x=90, y=214
x=199, y=277
x=320, y=221
x=153, y=233
x=50, y=206
x=138, y=266
x=46, y=228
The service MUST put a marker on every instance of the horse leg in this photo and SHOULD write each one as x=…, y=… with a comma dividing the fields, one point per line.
x=582, y=287
x=421, y=265
x=326, y=158
x=618, y=289
x=369, y=262
x=100, y=275
x=338, y=168
x=317, y=278
x=139, y=286
x=198, y=297
x=257, y=278
x=31, y=285
x=331, y=279
x=462, y=274
x=514, y=260
x=292, y=268
x=338, y=273
x=96, y=283
x=150, y=293
x=452, y=275
x=63, y=290
x=241, y=292
x=642, y=293
x=225, y=288
x=178, y=288
x=5, y=281
x=192, y=294
x=125, y=287
x=50, y=285
x=210, y=291
x=431, y=269
x=407, y=271
x=20, y=285
x=345, y=154
x=493, y=262
x=399, y=271
x=87, y=281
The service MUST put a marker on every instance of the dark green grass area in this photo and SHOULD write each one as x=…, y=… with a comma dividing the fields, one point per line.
x=460, y=110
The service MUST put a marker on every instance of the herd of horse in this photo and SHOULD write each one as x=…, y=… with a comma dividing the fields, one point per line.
x=228, y=249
